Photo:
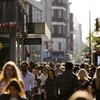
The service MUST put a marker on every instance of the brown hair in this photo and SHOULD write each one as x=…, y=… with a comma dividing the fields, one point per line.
x=15, y=83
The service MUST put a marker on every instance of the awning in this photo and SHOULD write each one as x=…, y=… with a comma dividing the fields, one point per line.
x=39, y=30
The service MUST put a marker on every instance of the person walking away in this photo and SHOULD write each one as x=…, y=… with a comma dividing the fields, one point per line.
x=67, y=83
x=84, y=81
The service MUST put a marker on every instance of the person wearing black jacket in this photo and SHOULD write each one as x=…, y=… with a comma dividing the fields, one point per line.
x=67, y=83
x=13, y=91
x=49, y=90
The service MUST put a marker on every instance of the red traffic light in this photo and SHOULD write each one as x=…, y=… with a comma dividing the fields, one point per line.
x=28, y=53
x=87, y=55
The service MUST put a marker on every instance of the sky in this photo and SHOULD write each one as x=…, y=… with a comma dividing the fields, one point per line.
x=81, y=8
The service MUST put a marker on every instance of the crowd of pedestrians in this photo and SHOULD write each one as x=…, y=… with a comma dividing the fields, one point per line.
x=49, y=81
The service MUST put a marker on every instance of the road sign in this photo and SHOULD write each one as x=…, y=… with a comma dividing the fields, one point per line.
x=33, y=41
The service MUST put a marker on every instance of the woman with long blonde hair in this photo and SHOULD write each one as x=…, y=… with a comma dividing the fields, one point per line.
x=83, y=75
x=96, y=83
x=84, y=82
x=13, y=91
x=10, y=70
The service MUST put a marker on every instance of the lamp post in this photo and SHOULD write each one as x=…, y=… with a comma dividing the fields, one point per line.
x=90, y=37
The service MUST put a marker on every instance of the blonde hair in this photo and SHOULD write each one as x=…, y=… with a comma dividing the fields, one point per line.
x=82, y=74
x=77, y=96
x=14, y=83
x=16, y=73
x=97, y=77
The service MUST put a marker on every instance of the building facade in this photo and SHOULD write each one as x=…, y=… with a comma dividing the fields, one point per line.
x=60, y=29
x=38, y=11
x=75, y=37
x=12, y=15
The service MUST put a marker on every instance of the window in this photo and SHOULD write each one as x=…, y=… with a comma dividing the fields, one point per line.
x=59, y=45
x=52, y=29
x=59, y=0
x=52, y=13
x=59, y=29
x=64, y=15
x=59, y=13
x=39, y=16
x=64, y=31
x=30, y=13
x=35, y=14
x=64, y=1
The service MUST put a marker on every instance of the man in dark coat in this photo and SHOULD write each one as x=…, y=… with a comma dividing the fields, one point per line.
x=66, y=83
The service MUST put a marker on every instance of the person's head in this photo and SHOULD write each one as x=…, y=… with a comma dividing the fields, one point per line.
x=82, y=65
x=75, y=69
x=93, y=69
x=32, y=64
x=82, y=74
x=36, y=70
x=81, y=95
x=45, y=70
x=58, y=65
x=68, y=65
x=10, y=70
x=44, y=64
x=14, y=88
x=62, y=68
x=47, y=66
x=51, y=73
x=24, y=66
x=51, y=65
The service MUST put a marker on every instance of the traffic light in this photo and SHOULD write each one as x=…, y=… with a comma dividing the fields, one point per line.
x=28, y=53
x=87, y=55
x=97, y=24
